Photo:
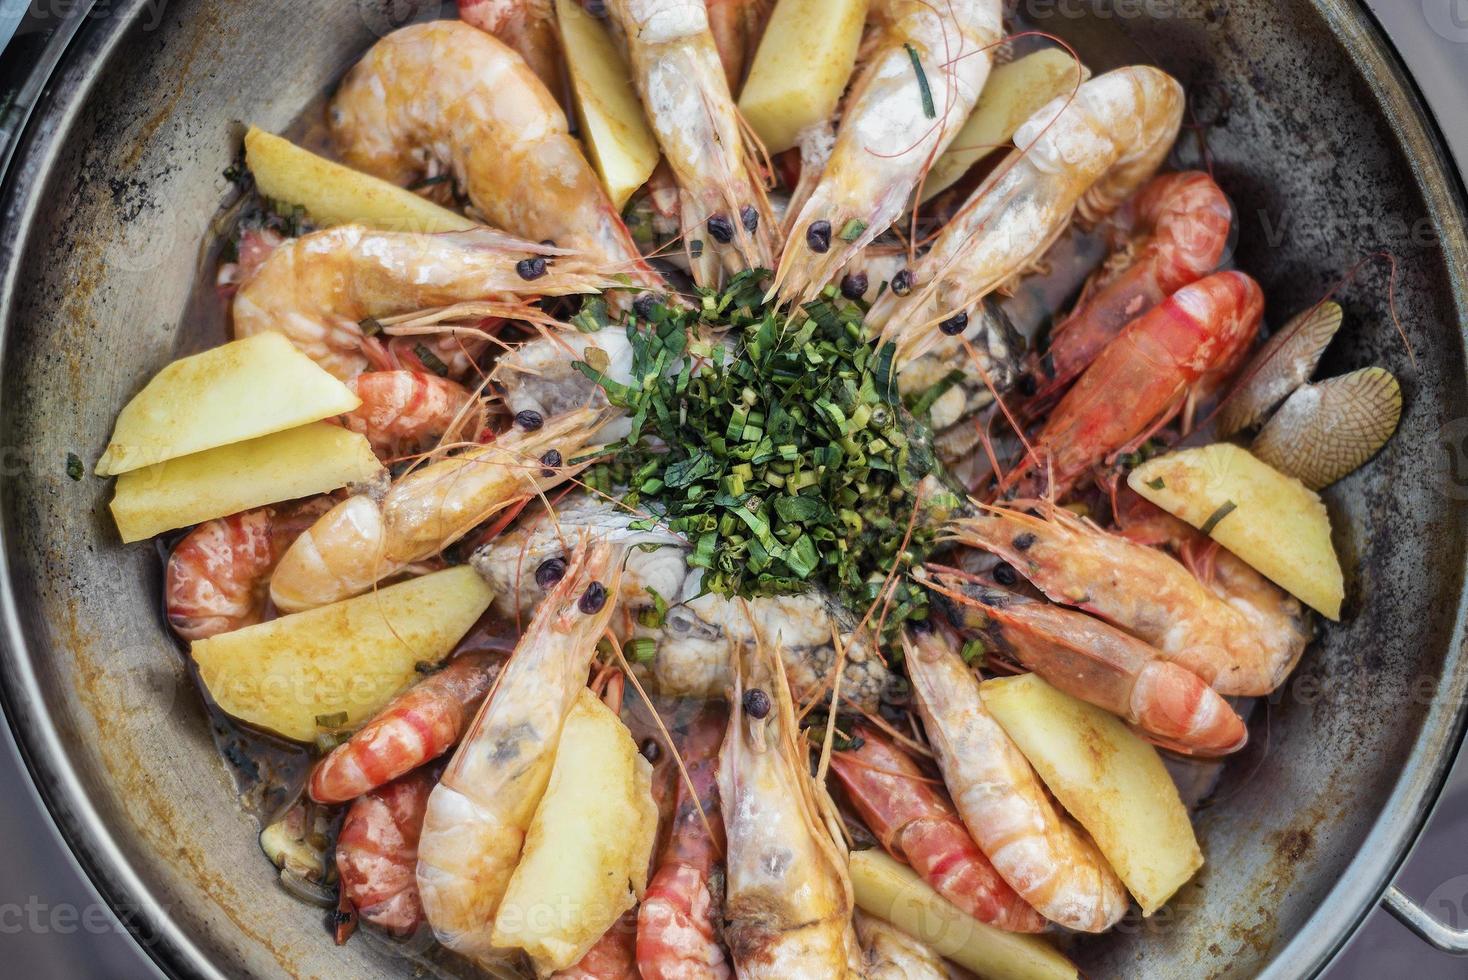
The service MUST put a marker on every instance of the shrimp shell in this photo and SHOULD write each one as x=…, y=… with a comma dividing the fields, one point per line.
x=403, y=411
x=1046, y=857
x=528, y=26
x=377, y=853
x=612, y=957
x=891, y=954
x=1328, y=429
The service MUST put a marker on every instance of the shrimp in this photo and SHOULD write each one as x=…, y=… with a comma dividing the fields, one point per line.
x=418, y=726
x=677, y=925
x=377, y=853
x=898, y=118
x=612, y=957
x=218, y=575
x=917, y=823
x=1045, y=857
x=1084, y=154
x=402, y=411
x=445, y=97
x=1141, y=379
x=370, y=536
x=1100, y=664
x=1183, y=222
x=527, y=26
x=789, y=901
x=726, y=217
x=736, y=26
x=481, y=809
x=319, y=288
x=1241, y=645
x=891, y=954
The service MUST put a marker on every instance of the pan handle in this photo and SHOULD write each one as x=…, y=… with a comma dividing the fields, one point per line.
x=1420, y=921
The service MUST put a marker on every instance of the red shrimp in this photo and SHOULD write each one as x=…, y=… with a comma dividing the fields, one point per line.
x=418, y=726
x=1182, y=221
x=527, y=26
x=377, y=854
x=403, y=411
x=613, y=957
x=1142, y=379
x=218, y=575
x=917, y=823
x=676, y=931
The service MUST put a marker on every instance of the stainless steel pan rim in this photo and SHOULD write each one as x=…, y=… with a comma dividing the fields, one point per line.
x=88, y=44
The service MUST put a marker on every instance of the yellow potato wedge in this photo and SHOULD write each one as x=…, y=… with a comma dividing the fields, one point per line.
x=587, y=851
x=337, y=665
x=613, y=127
x=1013, y=94
x=336, y=195
x=801, y=68
x=1110, y=780
x=242, y=390
x=891, y=890
x=299, y=462
x=1271, y=521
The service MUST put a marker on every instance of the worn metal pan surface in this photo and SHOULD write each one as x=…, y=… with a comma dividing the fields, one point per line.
x=1311, y=125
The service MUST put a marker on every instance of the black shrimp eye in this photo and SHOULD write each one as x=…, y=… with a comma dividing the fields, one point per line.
x=818, y=236
x=756, y=703
x=643, y=305
x=902, y=282
x=551, y=571
x=749, y=217
x=593, y=598
x=854, y=285
x=531, y=268
x=1023, y=542
x=1005, y=574
x=954, y=325
x=529, y=420
x=650, y=749
x=721, y=229
x=552, y=460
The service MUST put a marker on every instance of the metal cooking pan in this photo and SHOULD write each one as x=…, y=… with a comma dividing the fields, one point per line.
x=1311, y=125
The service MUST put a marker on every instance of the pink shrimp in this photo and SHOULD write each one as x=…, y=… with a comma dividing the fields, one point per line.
x=613, y=957
x=1100, y=664
x=1142, y=379
x=676, y=925
x=1243, y=642
x=403, y=411
x=917, y=823
x=527, y=26
x=418, y=726
x=1182, y=221
x=219, y=573
x=377, y=854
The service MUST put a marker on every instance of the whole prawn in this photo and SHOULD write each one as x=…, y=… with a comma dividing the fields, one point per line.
x=1244, y=644
x=443, y=97
x=1100, y=664
x=677, y=925
x=789, y=901
x=726, y=217
x=1046, y=858
x=1183, y=222
x=527, y=26
x=377, y=853
x=319, y=288
x=898, y=118
x=482, y=807
x=217, y=577
x=417, y=727
x=403, y=411
x=370, y=536
x=1141, y=379
x=916, y=822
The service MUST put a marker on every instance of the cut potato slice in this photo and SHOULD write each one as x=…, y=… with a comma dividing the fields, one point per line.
x=336, y=195
x=245, y=389
x=801, y=68
x=891, y=890
x=298, y=462
x=340, y=663
x=1110, y=780
x=587, y=851
x=1013, y=94
x=1271, y=521
x=618, y=140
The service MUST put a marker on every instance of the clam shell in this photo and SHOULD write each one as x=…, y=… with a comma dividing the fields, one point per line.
x=1325, y=430
x=1285, y=362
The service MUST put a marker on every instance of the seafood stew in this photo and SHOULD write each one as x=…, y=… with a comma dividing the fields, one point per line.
x=939, y=582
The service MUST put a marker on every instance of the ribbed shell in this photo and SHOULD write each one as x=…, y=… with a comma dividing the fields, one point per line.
x=1285, y=362
x=1325, y=430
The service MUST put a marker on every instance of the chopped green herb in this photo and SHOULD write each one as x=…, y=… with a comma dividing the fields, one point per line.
x=1156, y=484
x=927, y=93
x=974, y=651
x=428, y=182
x=852, y=230
x=331, y=721
x=643, y=649
x=430, y=360
x=1227, y=508
x=74, y=467
x=654, y=617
